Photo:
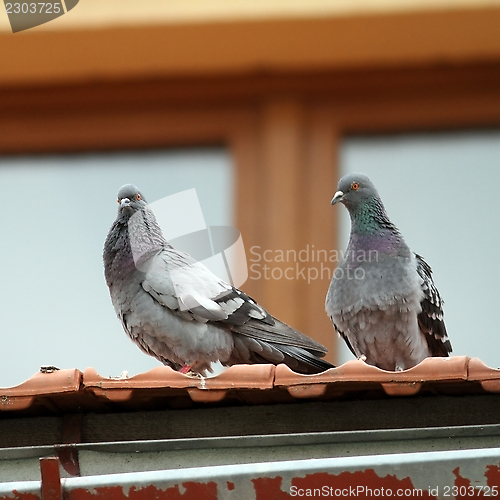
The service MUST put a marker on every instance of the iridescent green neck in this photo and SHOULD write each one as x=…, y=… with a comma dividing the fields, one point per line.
x=370, y=217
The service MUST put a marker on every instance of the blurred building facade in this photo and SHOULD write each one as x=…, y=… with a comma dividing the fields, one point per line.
x=278, y=85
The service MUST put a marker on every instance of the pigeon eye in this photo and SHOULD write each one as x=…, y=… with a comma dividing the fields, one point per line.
x=354, y=186
x=138, y=196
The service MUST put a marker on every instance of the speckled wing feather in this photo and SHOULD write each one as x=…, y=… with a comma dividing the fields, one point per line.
x=430, y=319
x=189, y=289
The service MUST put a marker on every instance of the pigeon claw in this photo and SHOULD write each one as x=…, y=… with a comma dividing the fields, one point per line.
x=186, y=369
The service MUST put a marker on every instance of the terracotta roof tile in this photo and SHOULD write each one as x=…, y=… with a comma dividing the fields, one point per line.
x=47, y=383
x=40, y=384
x=404, y=383
x=489, y=378
x=68, y=390
x=168, y=382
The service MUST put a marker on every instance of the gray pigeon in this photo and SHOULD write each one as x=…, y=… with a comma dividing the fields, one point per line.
x=382, y=299
x=178, y=311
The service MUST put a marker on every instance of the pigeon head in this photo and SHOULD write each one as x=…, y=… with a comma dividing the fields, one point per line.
x=130, y=200
x=365, y=207
x=137, y=224
x=354, y=190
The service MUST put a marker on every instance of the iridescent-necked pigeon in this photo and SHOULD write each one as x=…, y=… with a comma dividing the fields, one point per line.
x=382, y=299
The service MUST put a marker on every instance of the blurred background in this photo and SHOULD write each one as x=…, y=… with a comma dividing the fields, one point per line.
x=261, y=106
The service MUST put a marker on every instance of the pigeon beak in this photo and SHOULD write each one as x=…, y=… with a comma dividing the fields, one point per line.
x=337, y=197
x=125, y=202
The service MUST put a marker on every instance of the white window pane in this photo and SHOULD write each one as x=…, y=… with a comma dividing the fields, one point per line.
x=441, y=190
x=55, y=304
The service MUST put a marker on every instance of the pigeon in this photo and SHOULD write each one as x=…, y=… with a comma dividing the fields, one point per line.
x=176, y=310
x=382, y=299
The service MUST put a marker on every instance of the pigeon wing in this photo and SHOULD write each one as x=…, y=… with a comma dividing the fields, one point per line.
x=430, y=319
x=186, y=287
x=191, y=290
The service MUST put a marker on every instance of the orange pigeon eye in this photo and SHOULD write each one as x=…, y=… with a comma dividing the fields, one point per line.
x=354, y=186
x=138, y=196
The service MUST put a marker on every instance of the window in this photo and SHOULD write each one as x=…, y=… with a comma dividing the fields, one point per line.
x=57, y=212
